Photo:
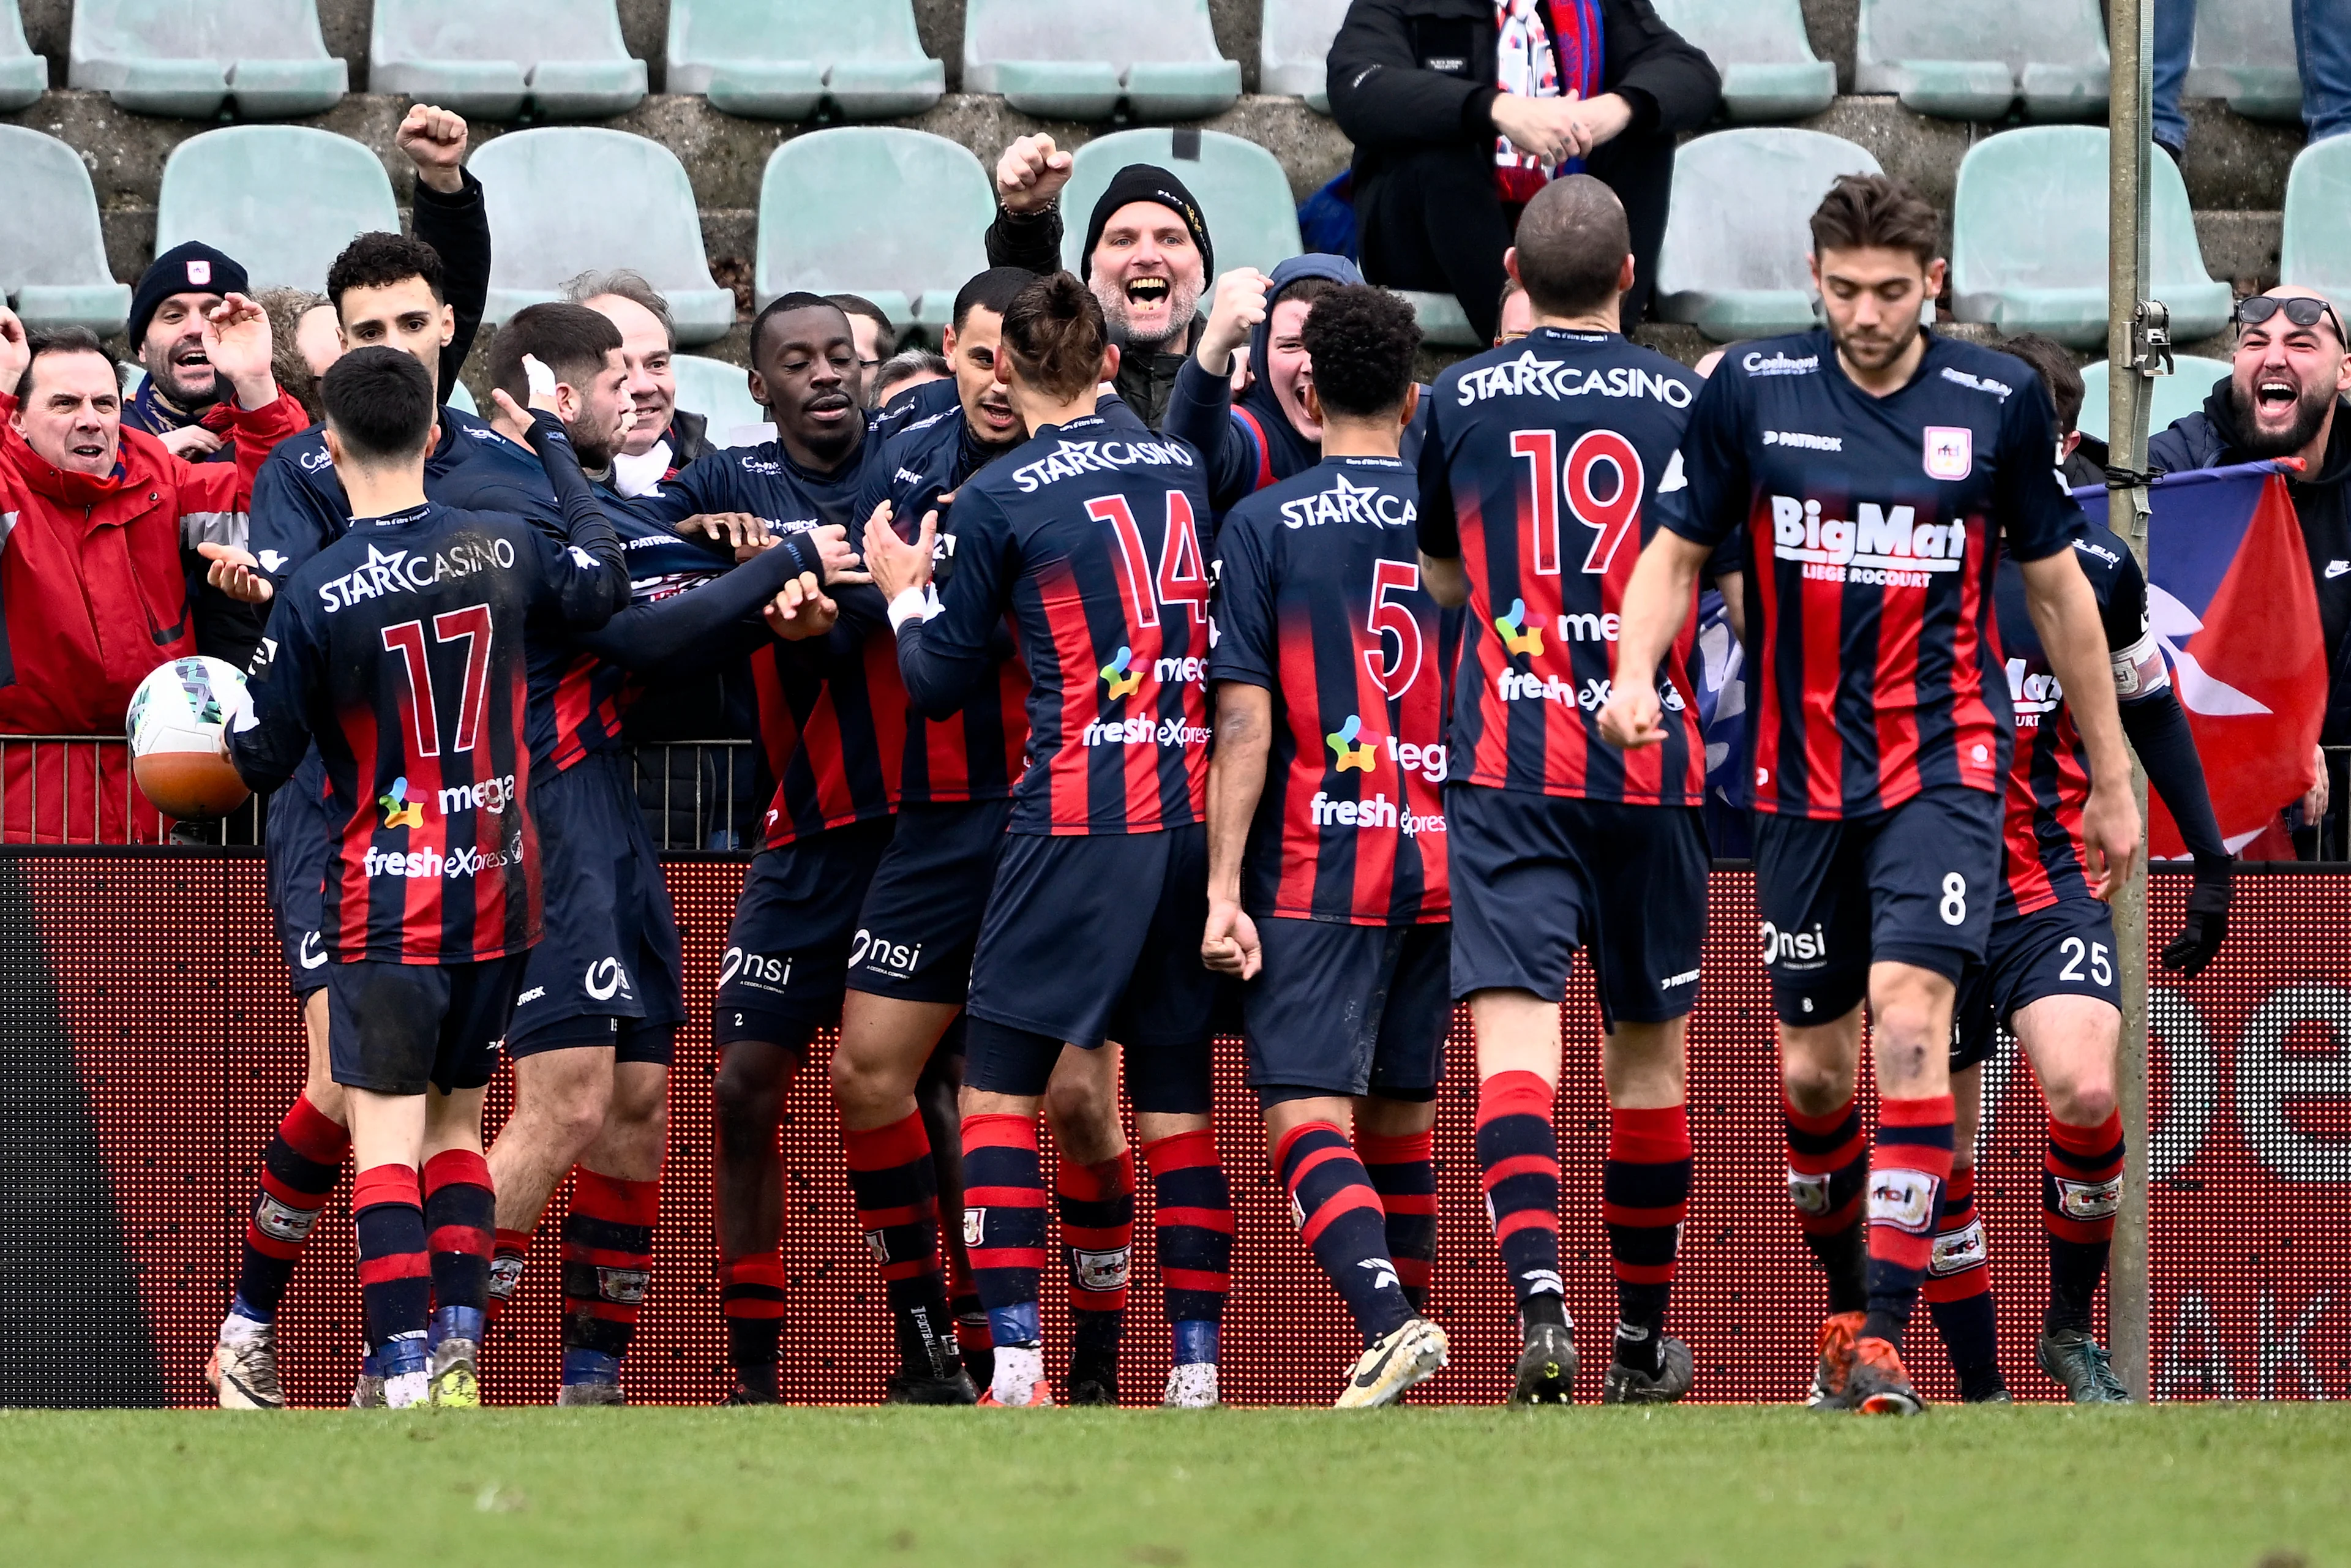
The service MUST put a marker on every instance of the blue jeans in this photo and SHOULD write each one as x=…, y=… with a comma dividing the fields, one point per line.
x=2322, y=42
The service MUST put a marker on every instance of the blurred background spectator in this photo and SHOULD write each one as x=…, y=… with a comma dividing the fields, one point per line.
x=2322, y=46
x=298, y=352
x=876, y=338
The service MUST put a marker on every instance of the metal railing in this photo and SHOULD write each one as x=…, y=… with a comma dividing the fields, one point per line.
x=697, y=796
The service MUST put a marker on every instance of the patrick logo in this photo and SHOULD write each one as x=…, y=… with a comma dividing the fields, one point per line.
x=398, y=811
x=1122, y=679
x=1363, y=756
x=1517, y=636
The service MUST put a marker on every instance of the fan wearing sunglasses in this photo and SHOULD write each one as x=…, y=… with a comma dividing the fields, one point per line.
x=2284, y=398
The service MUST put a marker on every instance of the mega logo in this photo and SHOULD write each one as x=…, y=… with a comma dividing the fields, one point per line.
x=398, y=571
x=456, y=863
x=754, y=969
x=1348, y=502
x=894, y=958
x=1119, y=677
x=1350, y=753
x=398, y=811
x=1517, y=636
x=490, y=795
x=1889, y=548
x=1795, y=949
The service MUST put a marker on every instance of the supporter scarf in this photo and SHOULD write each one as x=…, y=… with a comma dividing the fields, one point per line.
x=1552, y=50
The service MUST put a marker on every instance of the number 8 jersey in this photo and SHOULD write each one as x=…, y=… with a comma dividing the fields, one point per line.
x=1546, y=463
x=1092, y=536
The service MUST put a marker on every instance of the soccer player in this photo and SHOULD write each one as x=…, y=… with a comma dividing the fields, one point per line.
x=1875, y=469
x=1542, y=471
x=399, y=651
x=1089, y=538
x=601, y=998
x=2049, y=973
x=1327, y=892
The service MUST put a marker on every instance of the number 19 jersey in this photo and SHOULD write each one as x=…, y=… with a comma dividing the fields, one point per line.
x=1546, y=464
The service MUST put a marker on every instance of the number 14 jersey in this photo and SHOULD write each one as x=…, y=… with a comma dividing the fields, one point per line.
x=1546, y=465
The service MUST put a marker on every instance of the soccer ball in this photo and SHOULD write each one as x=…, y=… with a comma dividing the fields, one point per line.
x=175, y=722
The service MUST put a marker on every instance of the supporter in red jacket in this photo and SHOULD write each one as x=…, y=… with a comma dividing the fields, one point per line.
x=99, y=527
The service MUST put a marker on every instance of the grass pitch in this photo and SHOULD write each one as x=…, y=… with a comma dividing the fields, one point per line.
x=2260, y=1487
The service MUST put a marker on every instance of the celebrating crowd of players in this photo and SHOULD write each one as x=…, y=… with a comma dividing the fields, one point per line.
x=1104, y=703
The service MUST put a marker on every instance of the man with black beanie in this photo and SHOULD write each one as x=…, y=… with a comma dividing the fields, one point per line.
x=1147, y=254
x=168, y=310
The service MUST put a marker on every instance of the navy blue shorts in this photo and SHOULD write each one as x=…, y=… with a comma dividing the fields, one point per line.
x=396, y=1028
x=296, y=846
x=920, y=925
x=1535, y=877
x=1911, y=885
x=1348, y=1010
x=1096, y=938
x=787, y=958
x=2064, y=950
x=606, y=972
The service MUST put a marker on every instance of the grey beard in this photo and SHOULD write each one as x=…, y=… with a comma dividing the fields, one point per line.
x=1183, y=305
x=2309, y=414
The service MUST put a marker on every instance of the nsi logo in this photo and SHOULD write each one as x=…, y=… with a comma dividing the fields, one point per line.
x=755, y=968
x=1803, y=948
x=606, y=979
x=892, y=957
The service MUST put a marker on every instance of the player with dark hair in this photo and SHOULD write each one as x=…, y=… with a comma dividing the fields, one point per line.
x=1547, y=462
x=398, y=651
x=1329, y=889
x=1089, y=536
x=1873, y=470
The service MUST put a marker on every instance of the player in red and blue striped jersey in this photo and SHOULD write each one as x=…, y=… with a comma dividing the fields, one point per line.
x=1330, y=884
x=1089, y=538
x=1547, y=462
x=399, y=651
x=1873, y=470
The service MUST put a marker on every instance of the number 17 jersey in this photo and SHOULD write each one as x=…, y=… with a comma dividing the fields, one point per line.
x=1546, y=465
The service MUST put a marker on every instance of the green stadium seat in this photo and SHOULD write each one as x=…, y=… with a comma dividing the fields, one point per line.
x=487, y=57
x=24, y=75
x=1732, y=264
x=2317, y=249
x=1443, y=323
x=1244, y=196
x=52, y=255
x=2244, y=54
x=816, y=234
x=460, y=398
x=1076, y=59
x=779, y=60
x=1294, y=49
x=1769, y=69
x=2177, y=395
x=1971, y=61
x=717, y=392
x=565, y=198
x=2029, y=239
x=282, y=199
x=184, y=57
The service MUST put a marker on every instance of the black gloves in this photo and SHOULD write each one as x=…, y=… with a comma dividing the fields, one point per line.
x=2208, y=917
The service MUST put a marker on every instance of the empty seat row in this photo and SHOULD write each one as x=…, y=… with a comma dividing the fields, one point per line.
x=283, y=198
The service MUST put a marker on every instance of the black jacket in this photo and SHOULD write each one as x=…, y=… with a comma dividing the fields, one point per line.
x=2321, y=504
x=458, y=228
x=1409, y=73
x=1145, y=382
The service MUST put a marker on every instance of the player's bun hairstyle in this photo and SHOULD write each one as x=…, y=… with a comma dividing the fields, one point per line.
x=1054, y=336
x=1572, y=241
x=380, y=404
x=379, y=260
x=1361, y=341
x=47, y=340
x=789, y=304
x=1874, y=212
x=569, y=339
x=2054, y=366
x=994, y=289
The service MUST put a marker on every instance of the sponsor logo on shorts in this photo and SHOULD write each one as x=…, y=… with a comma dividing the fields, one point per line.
x=607, y=978
x=1958, y=1251
x=754, y=970
x=537, y=993
x=313, y=952
x=974, y=1226
x=1884, y=547
x=398, y=811
x=1379, y=811
x=1905, y=1200
x=1795, y=949
x=2089, y=1199
x=622, y=1287
x=457, y=862
x=1809, y=1192
x=1102, y=1271
x=880, y=952
x=1144, y=730
x=280, y=1221
x=1686, y=977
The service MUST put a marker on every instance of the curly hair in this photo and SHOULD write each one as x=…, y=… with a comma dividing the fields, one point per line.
x=378, y=260
x=1362, y=340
